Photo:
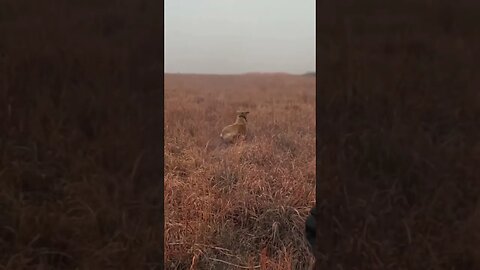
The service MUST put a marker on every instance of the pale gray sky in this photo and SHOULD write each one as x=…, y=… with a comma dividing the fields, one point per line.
x=238, y=36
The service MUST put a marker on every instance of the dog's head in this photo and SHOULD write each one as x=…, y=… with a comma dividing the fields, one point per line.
x=243, y=114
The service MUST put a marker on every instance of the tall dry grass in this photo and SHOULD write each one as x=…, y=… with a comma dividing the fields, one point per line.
x=228, y=207
x=80, y=106
x=399, y=111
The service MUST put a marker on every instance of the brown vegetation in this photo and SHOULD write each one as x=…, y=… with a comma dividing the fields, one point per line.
x=80, y=101
x=399, y=110
x=244, y=204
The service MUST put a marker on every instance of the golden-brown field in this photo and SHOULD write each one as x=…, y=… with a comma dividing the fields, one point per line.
x=399, y=111
x=243, y=205
x=80, y=122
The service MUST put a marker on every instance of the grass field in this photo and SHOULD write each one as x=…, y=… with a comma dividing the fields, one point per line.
x=80, y=122
x=399, y=131
x=243, y=204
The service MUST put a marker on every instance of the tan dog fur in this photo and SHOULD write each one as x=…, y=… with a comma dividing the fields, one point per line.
x=239, y=128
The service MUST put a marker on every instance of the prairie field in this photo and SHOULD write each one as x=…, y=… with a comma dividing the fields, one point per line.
x=81, y=127
x=399, y=110
x=80, y=122
x=241, y=205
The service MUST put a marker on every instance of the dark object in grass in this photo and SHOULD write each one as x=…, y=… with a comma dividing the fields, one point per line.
x=311, y=230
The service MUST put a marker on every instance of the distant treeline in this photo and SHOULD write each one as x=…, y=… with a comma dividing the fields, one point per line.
x=310, y=73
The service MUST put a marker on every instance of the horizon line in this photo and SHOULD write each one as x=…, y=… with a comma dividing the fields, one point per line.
x=242, y=73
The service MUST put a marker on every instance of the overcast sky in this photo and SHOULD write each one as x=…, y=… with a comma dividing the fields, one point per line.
x=238, y=36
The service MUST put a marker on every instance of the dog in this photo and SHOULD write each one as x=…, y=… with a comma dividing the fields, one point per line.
x=237, y=129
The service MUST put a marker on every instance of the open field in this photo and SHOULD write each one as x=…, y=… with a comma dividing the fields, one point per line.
x=243, y=204
x=80, y=122
x=399, y=108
